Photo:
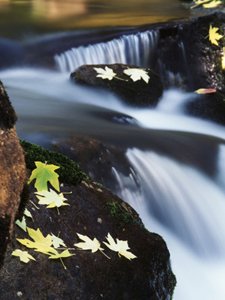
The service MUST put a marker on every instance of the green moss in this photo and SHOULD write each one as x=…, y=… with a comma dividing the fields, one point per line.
x=122, y=213
x=69, y=171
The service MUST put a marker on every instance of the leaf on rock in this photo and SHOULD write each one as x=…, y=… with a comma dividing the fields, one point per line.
x=43, y=174
x=207, y=3
x=63, y=254
x=88, y=244
x=214, y=36
x=212, y=4
x=223, y=59
x=51, y=199
x=106, y=73
x=137, y=74
x=40, y=243
x=24, y=256
x=22, y=224
x=205, y=91
x=27, y=213
x=119, y=246
x=57, y=242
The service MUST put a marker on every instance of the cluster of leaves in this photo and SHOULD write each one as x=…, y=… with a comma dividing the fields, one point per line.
x=207, y=3
x=134, y=73
x=51, y=245
x=119, y=246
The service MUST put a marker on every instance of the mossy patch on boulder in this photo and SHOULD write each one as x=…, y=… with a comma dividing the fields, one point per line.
x=89, y=275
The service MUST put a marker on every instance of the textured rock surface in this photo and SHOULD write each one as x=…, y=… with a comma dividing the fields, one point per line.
x=138, y=93
x=12, y=170
x=93, y=211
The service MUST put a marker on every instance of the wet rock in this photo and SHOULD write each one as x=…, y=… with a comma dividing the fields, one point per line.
x=187, y=59
x=138, y=93
x=93, y=211
x=12, y=171
x=96, y=158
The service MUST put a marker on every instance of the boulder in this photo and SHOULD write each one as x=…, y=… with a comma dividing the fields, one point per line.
x=137, y=93
x=12, y=171
x=185, y=51
x=95, y=212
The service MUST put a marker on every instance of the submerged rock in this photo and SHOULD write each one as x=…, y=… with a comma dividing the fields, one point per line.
x=94, y=212
x=138, y=93
x=12, y=171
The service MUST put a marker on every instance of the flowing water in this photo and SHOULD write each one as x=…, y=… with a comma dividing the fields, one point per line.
x=177, y=162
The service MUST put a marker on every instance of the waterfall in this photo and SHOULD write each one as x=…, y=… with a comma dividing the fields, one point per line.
x=133, y=49
x=187, y=208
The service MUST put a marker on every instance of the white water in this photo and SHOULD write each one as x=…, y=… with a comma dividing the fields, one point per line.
x=188, y=210
x=129, y=49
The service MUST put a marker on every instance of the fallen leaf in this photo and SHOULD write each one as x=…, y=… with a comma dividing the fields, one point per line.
x=214, y=36
x=119, y=246
x=51, y=199
x=24, y=256
x=137, y=74
x=43, y=174
x=205, y=91
x=22, y=224
x=27, y=213
x=106, y=73
x=63, y=254
x=88, y=244
x=212, y=4
x=40, y=243
x=57, y=242
x=223, y=59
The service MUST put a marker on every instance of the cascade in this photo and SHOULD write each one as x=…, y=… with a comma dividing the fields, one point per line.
x=133, y=49
x=188, y=209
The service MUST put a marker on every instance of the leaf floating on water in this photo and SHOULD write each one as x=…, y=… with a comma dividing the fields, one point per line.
x=214, y=36
x=22, y=224
x=51, y=199
x=24, y=256
x=137, y=74
x=43, y=174
x=205, y=91
x=88, y=244
x=119, y=246
x=106, y=73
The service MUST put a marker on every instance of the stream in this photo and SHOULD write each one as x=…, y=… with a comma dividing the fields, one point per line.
x=177, y=162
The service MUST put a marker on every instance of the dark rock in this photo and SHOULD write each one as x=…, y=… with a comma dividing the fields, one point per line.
x=138, y=93
x=185, y=51
x=95, y=158
x=93, y=211
x=12, y=171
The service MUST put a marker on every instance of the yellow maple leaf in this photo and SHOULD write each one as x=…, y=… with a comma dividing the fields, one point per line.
x=51, y=199
x=24, y=256
x=40, y=243
x=88, y=244
x=119, y=246
x=58, y=255
x=214, y=36
x=43, y=174
x=223, y=59
x=212, y=4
